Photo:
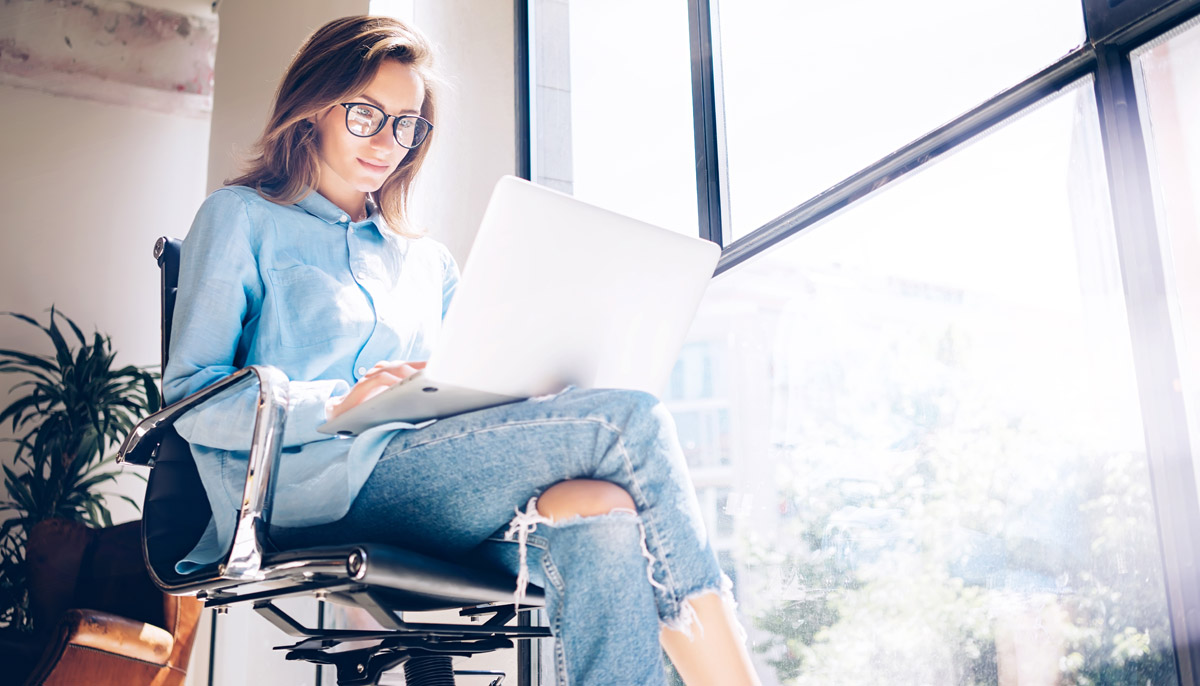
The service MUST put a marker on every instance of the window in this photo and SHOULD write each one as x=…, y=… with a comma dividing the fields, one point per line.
x=954, y=336
x=956, y=465
x=612, y=107
x=816, y=91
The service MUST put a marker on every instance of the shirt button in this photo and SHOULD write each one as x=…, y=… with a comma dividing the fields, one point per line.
x=362, y=371
x=343, y=218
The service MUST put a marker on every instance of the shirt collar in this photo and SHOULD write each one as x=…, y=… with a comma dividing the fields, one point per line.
x=322, y=208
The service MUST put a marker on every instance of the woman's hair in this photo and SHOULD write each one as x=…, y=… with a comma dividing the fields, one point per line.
x=336, y=63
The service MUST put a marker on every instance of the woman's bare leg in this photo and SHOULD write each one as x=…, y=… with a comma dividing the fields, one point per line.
x=716, y=653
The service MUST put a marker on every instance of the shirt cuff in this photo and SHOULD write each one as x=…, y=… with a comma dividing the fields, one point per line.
x=308, y=408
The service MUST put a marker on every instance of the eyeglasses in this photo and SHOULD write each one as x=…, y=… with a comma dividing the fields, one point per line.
x=365, y=120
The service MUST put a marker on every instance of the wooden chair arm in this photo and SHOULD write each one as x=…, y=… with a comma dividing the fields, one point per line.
x=182, y=619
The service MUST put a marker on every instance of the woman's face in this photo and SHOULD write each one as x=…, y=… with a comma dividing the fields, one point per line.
x=352, y=166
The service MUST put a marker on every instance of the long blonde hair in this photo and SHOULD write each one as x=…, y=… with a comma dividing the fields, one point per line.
x=337, y=62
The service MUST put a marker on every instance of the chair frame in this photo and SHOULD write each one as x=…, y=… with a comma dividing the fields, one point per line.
x=384, y=580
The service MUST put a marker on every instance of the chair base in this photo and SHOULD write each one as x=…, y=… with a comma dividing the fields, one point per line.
x=425, y=649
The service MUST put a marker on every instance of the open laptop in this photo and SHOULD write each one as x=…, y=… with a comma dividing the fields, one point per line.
x=556, y=292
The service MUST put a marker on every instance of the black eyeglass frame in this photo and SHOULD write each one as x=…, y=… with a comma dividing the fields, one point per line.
x=395, y=123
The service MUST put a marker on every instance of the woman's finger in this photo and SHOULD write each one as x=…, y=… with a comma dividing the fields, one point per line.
x=400, y=369
x=367, y=387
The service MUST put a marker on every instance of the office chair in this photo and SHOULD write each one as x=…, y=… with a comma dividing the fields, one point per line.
x=384, y=580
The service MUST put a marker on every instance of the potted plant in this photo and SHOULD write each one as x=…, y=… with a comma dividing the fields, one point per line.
x=66, y=413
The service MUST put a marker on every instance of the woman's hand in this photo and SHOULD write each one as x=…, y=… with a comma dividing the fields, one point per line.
x=378, y=379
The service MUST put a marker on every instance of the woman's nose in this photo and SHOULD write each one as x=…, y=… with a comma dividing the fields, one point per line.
x=385, y=140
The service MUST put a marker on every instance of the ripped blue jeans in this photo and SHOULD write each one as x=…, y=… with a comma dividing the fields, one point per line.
x=466, y=487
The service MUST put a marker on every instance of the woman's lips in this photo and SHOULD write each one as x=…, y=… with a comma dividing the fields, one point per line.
x=372, y=167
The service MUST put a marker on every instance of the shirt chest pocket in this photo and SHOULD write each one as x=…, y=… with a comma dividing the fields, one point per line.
x=312, y=307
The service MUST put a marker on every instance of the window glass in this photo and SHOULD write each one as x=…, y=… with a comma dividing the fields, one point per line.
x=1166, y=75
x=815, y=91
x=612, y=107
x=936, y=464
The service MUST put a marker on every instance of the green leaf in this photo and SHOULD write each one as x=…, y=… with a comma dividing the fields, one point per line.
x=31, y=360
x=136, y=505
x=78, y=333
x=60, y=344
x=150, y=388
x=23, y=317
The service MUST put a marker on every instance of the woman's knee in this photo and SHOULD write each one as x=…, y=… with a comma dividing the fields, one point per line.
x=583, y=498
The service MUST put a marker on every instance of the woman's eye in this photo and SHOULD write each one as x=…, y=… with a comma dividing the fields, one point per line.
x=406, y=123
x=364, y=113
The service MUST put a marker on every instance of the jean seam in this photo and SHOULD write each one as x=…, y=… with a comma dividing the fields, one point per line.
x=648, y=519
x=551, y=571
x=560, y=655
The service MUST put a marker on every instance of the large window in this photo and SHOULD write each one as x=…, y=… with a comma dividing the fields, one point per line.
x=953, y=467
x=941, y=404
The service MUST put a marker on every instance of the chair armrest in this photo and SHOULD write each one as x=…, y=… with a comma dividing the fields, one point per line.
x=245, y=556
x=109, y=633
x=141, y=444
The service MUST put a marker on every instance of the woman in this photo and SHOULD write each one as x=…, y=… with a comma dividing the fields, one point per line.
x=308, y=262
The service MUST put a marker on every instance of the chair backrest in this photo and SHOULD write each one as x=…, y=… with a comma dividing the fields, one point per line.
x=176, y=510
x=166, y=251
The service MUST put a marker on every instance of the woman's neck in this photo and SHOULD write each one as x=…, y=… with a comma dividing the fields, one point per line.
x=350, y=201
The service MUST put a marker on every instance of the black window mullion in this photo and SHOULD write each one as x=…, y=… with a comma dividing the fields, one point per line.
x=1106, y=20
x=1163, y=414
x=705, y=122
x=523, y=89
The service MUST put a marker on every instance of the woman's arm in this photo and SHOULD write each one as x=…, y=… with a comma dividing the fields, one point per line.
x=219, y=298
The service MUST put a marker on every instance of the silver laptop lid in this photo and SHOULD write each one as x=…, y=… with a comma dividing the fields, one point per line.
x=557, y=291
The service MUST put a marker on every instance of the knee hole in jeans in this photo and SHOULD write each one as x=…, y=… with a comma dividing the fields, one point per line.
x=583, y=498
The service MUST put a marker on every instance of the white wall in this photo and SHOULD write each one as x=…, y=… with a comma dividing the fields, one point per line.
x=86, y=188
x=476, y=129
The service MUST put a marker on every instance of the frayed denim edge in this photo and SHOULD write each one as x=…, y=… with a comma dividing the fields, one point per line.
x=521, y=526
x=524, y=523
x=687, y=617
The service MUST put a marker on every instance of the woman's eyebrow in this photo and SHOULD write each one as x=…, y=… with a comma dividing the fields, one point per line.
x=378, y=104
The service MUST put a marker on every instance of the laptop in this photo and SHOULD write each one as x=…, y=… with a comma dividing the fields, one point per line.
x=556, y=292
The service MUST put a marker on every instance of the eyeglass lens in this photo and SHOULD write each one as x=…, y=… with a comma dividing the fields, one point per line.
x=366, y=120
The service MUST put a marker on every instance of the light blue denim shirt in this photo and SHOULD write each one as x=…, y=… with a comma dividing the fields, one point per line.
x=302, y=288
